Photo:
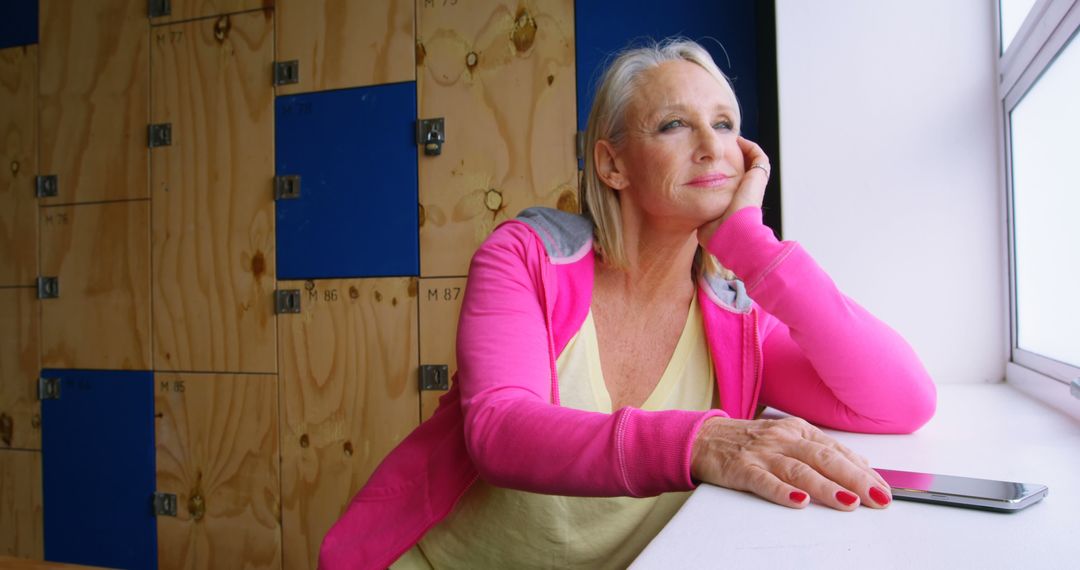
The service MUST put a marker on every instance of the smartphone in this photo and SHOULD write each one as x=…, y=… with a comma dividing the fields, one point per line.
x=987, y=494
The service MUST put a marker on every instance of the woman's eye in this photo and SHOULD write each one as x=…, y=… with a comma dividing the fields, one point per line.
x=724, y=125
x=671, y=125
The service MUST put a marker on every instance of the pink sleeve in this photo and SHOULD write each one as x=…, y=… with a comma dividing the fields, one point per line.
x=515, y=436
x=825, y=358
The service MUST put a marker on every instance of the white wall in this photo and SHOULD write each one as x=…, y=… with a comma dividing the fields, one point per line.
x=888, y=132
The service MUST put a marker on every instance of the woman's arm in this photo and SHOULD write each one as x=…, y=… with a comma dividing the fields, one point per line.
x=826, y=359
x=516, y=437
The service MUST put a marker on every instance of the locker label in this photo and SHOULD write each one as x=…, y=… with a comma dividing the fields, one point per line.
x=445, y=294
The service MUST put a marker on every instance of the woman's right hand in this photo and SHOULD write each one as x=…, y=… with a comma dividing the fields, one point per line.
x=786, y=461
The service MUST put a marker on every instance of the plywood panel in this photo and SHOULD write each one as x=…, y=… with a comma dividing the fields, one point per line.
x=189, y=9
x=20, y=412
x=345, y=43
x=440, y=305
x=349, y=394
x=20, y=504
x=93, y=103
x=217, y=450
x=18, y=165
x=502, y=74
x=213, y=225
x=101, y=255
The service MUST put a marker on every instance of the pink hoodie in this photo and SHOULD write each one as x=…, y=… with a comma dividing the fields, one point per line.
x=800, y=346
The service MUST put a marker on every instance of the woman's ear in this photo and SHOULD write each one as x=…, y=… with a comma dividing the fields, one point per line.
x=608, y=167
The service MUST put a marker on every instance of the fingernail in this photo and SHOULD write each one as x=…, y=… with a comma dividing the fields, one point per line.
x=879, y=496
x=846, y=498
x=797, y=497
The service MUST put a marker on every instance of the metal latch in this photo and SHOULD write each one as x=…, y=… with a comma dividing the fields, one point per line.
x=48, y=287
x=165, y=504
x=287, y=301
x=158, y=8
x=160, y=135
x=434, y=377
x=287, y=187
x=431, y=134
x=48, y=388
x=286, y=72
x=46, y=186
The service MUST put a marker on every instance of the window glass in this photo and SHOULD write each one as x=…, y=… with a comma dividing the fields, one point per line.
x=1013, y=13
x=1046, y=208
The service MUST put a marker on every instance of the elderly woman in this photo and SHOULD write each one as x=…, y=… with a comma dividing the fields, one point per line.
x=610, y=362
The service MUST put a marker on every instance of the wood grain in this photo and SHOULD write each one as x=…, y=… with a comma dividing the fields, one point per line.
x=344, y=43
x=190, y=9
x=18, y=165
x=502, y=74
x=213, y=215
x=217, y=450
x=93, y=103
x=21, y=530
x=440, y=305
x=349, y=395
x=101, y=255
x=20, y=410
x=8, y=563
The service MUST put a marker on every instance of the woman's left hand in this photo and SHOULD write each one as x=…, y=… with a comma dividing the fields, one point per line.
x=751, y=190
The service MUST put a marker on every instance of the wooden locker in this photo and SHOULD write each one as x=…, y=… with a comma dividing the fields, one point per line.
x=100, y=255
x=93, y=99
x=18, y=165
x=213, y=214
x=20, y=504
x=217, y=451
x=20, y=412
x=440, y=304
x=192, y=9
x=501, y=73
x=349, y=395
x=345, y=43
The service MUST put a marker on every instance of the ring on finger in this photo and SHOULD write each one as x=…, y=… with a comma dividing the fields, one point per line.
x=764, y=167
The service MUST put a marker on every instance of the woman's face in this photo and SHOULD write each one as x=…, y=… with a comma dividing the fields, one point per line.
x=680, y=162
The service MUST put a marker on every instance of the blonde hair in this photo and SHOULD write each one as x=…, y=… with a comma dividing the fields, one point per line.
x=616, y=88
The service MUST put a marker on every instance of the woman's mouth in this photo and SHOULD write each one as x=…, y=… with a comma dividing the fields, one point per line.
x=709, y=180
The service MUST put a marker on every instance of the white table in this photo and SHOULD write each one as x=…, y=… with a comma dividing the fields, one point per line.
x=989, y=431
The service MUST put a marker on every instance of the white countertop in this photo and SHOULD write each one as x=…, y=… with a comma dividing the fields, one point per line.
x=992, y=431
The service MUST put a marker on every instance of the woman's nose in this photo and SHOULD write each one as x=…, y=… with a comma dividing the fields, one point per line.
x=708, y=145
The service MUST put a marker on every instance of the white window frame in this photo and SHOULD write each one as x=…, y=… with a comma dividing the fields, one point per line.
x=1047, y=28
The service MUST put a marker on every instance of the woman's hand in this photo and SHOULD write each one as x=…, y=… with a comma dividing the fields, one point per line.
x=751, y=190
x=786, y=461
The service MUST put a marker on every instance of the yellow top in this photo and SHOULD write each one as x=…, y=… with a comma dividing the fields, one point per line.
x=494, y=527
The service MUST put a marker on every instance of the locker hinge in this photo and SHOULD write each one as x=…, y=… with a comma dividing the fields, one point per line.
x=287, y=301
x=158, y=8
x=579, y=144
x=165, y=504
x=286, y=72
x=431, y=134
x=287, y=187
x=434, y=377
x=48, y=388
x=48, y=287
x=159, y=135
x=46, y=186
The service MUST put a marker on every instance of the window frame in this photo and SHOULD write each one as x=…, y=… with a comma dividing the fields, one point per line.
x=1046, y=30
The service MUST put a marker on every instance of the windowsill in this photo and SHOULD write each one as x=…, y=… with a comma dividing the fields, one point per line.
x=993, y=431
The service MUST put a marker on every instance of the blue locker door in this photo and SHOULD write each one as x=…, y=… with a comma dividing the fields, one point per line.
x=97, y=443
x=601, y=31
x=355, y=153
x=18, y=23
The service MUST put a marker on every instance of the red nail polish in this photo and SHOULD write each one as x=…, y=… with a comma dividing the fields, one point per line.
x=846, y=498
x=879, y=496
x=797, y=497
